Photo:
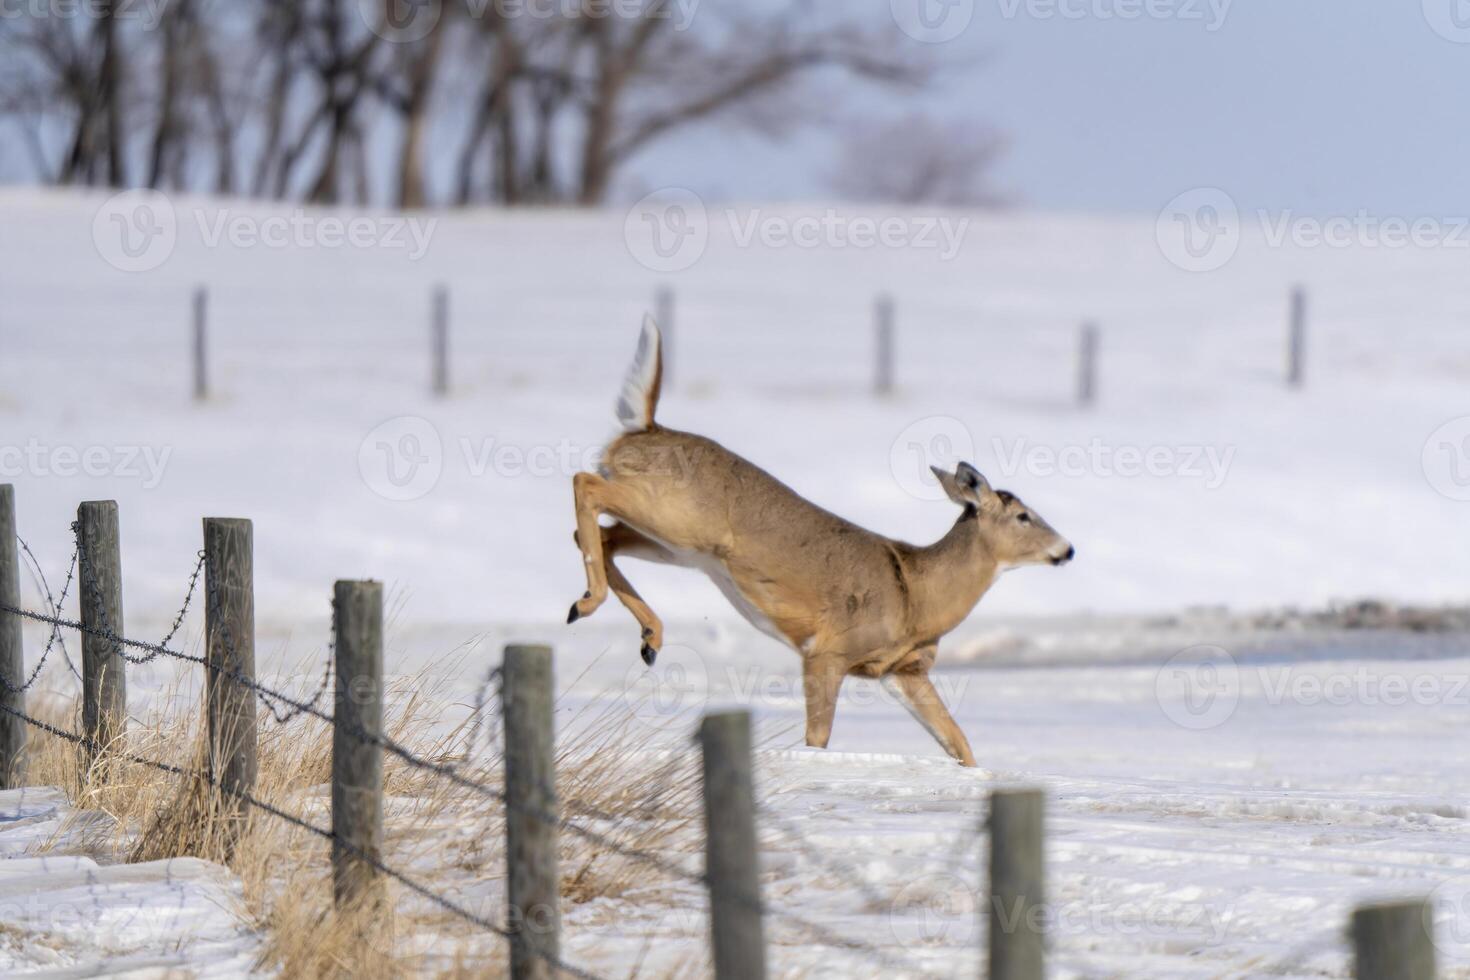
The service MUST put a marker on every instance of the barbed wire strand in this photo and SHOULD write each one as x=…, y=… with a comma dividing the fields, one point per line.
x=50, y=642
x=454, y=908
x=38, y=577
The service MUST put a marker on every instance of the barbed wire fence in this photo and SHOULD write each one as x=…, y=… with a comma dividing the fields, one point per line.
x=284, y=708
x=1014, y=824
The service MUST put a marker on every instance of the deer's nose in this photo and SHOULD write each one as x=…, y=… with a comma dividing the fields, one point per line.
x=1071, y=553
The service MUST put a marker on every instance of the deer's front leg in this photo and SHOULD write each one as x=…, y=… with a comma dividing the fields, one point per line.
x=918, y=695
x=821, y=678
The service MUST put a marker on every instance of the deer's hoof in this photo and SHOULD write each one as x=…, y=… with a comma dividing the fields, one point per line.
x=573, y=615
x=649, y=654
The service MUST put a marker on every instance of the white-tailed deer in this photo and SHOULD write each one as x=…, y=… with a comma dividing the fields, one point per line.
x=847, y=600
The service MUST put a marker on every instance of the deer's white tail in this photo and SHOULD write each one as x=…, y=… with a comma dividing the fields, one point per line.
x=639, y=398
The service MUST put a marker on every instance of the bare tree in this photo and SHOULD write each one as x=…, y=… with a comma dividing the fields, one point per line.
x=537, y=103
x=920, y=160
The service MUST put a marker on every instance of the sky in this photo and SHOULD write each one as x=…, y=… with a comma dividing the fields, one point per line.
x=1323, y=107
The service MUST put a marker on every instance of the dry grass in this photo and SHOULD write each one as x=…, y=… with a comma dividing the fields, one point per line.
x=451, y=837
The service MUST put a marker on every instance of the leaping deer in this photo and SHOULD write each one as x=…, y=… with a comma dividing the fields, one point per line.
x=849, y=601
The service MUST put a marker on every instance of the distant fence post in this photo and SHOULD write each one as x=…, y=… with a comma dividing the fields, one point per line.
x=229, y=649
x=883, y=345
x=664, y=305
x=1296, y=346
x=440, y=339
x=1017, y=885
x=531, y=813
x=1392, y=941
x=1087, y=342
x=99, y=572
x=731, y=862
x=357, y=762
x=12, y=659
x=201, y=349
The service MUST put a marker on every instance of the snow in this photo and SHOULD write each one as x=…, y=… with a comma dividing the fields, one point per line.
x=62, y=914
x=1184, y=839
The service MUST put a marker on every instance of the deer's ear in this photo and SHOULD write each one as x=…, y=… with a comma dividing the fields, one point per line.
x=968, y=487
x=948, y=484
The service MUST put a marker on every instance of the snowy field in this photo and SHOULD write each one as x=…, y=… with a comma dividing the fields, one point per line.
x=1215, y=814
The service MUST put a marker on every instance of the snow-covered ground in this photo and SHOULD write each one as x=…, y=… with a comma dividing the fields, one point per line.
x=1213, y=815
x=63, y=915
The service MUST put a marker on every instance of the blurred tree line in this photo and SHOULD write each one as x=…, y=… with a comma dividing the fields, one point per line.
x=428, y=102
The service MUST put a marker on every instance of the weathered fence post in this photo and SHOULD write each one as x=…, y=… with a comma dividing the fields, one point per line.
x=1017, y=885
x=357, y=760
x=883, y=347
x=1392, y=941
x=731, y=862
x=229, y=649
x=12, y=659
x=99, y=575
x=531, y=813
x=1296, y=345
x=201, y=349
x=440, y=340
x=664, y=305
x=1087, y=342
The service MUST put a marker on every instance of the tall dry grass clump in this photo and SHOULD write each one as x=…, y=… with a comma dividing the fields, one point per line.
x=611, y=777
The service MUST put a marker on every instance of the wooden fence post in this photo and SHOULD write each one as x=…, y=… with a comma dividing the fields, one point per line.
x=201, y=349
x=229, y=648
x=99, y=576
x=731, y=862
x=884, y=344
x=357, y=763
x=531, y=813
x=12, y=658
x=1296, y=346
x=1017, y=885
x=664, y=305
x=1392, y=941
x=440, y=340
x=1087, y=343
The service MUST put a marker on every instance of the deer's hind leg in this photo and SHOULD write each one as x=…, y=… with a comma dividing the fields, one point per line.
x=620, y=539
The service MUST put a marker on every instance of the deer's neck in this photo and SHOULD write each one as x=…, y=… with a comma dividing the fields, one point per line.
x=950, y=576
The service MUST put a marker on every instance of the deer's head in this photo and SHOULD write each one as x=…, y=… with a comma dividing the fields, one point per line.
x=1014, y=533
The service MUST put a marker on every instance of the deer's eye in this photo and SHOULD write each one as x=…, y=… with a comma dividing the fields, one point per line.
x=1024, y=517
